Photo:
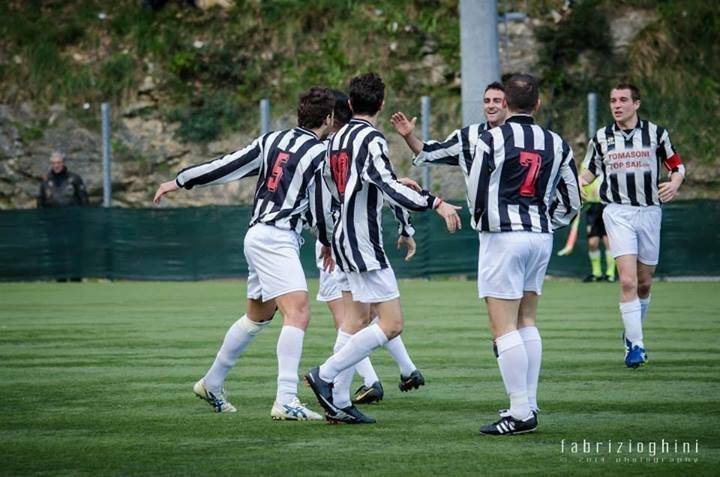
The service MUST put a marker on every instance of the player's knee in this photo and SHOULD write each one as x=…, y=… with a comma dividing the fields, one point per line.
x=298, y=317
x=644, y=287
x=628, y=284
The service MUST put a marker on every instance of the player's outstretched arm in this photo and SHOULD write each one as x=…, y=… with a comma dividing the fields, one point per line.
x=406, y=128
x=449, y=213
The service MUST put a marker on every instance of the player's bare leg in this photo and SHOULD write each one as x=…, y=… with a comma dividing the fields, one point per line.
x=237, y=338
x=511, y=355
x=631, y=310
x=645, y=275
x=527, y=316
x=295, y=308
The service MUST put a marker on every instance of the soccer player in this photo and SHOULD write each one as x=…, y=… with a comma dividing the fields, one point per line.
x=285, y=162
x=521, y=184
x=627, y=155
x=495, y=113
x=362, y=177
x=333, y=287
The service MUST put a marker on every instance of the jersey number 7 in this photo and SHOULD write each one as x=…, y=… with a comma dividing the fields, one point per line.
x=277, y=171
x=532, y=161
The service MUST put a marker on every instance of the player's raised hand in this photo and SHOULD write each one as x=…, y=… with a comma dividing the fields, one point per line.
x=449, y=213
x=667, y=191
x=406, y=181
x=328, y=262
x=164, y=188
x=409, y=243
x=402, y=124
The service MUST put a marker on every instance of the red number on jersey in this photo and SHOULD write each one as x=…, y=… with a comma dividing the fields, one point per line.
x=532, y=161
x=339, y=164
x=277, y=171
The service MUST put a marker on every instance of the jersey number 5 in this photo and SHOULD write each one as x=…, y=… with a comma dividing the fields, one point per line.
x=277, y=171
x=339, y=163
x=532, y=161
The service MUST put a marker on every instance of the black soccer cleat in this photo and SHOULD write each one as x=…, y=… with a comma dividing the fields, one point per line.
x=348, y=415
x=508, y=425
x=369, y=395
x=322, y=390
x=414, y=381
x=592, y=279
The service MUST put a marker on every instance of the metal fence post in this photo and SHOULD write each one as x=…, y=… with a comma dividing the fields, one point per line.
x=107, y=182
x=592, y=114
x=264, y=116
x=425, y=118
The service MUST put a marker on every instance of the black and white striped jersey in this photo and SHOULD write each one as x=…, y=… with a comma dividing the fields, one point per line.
x=360, y=177
x=629, y=162
x=285, y=161
x=519, y=176
x=458, y=143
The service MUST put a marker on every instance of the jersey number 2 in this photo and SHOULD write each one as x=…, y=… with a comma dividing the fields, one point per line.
x=532, y=161
x=277, y=171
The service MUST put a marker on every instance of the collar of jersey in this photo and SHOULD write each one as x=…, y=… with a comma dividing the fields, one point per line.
x=521, y=119
x=362, y=121
x=632, y=132
x=307, y=131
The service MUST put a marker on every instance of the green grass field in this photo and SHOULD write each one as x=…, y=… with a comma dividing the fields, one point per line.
x=96, y=380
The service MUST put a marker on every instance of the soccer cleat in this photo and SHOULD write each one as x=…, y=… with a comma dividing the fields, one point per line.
x=508, y=425
x=348, y=415
x=216, y=400
x=369, y=395
x=591, y=279
x=506, y=412
x=414, y=381
x=322, y=390
x=636, y=357
x=609, y=278
x=293, y=411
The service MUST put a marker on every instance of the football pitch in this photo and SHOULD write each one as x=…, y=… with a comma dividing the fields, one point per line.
x=97, y=380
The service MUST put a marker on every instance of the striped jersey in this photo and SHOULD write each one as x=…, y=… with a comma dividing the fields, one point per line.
x=285, y=161
x=360, y=177
x=629, y=162
x=518, y=176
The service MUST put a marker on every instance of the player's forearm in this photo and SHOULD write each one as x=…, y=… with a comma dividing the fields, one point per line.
x=414, y=143
x=677, y=179
x=587, y=177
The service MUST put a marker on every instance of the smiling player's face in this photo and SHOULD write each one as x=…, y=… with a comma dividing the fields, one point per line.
x=493, y=106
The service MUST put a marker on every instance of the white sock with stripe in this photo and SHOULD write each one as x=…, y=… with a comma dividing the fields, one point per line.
x=360, y=346
x=631, y=313
x=513, y=362
x=289, y=351
x=533, y=347
x=237, y=338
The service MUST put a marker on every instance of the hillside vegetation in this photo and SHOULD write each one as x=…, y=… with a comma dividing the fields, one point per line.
x=207, y=69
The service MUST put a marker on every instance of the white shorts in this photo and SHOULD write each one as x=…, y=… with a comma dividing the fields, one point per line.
x=331, y=284
x=273, y=257
x=376, y=286
x=634, y=230
x=510, y=263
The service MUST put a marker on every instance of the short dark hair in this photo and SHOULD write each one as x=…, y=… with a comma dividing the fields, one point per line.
x=494, y=85
x=367, y=93
x=522, y=93
x=314, y=105
x=634, y=91
x=342, y=110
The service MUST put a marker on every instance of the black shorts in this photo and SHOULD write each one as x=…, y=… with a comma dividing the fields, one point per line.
x=594, y=220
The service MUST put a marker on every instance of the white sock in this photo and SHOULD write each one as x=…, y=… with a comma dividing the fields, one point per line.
x=399, y=353
x=533, y=347
x=342, y=382
x=631, y=316
x=360, y=346
x=644, y=305
x=289, y=351
x=513, y=363
x=366, y=371
x=240, y=334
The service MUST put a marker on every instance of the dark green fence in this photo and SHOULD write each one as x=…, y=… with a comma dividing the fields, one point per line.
x=206, y=242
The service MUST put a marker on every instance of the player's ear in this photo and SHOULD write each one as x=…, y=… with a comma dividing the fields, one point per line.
x=350, y=106
x=538, y=105
x=382, y=105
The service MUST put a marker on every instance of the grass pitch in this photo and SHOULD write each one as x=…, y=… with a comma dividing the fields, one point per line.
x=97, y=377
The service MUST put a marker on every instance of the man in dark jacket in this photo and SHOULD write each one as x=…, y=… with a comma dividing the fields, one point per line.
x=61, y=188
